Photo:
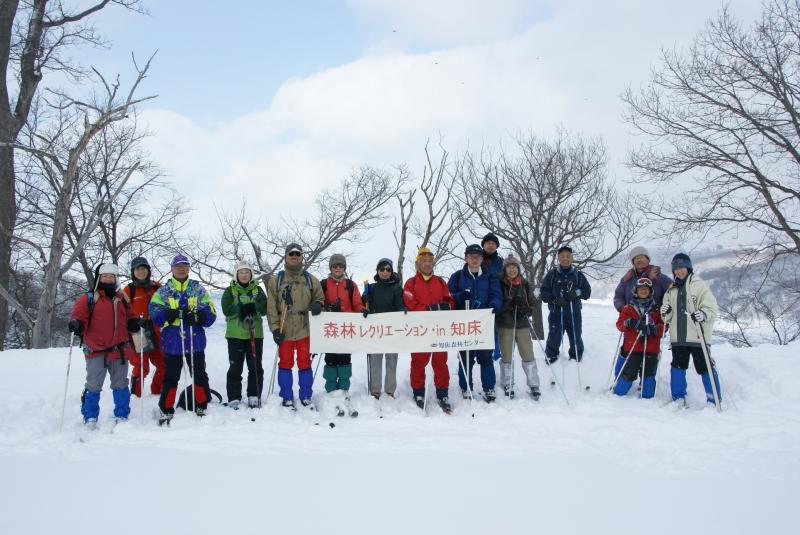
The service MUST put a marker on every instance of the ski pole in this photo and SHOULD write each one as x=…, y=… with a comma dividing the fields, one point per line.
x=575, y=342
x=513, y=346
x=548, y=365
x=616, y=378
x=183, y=356
x=316, y=368
x=707, y=357
x=66, y=381
x=464, y=368
x=141, y=367
x=281, y=324
x=614, y=359
x=271, y=388
x=191, y=368
x=561, y=344
x=251, y=328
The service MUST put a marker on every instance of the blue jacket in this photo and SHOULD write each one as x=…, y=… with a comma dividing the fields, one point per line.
x=188, y=294
x=493, y=263
x=559, y=281
x=482, y=291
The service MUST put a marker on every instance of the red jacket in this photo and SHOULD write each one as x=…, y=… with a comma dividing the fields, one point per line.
x=140, y=301
x=653, y=342
x=108, y=328
x=418, y=293
x=338, y=290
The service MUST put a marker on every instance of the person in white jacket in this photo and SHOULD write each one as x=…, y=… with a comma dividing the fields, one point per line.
x=690, y=310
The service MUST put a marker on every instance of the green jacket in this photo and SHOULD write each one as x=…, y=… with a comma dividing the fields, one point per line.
x=384, y=296
x=236, y=295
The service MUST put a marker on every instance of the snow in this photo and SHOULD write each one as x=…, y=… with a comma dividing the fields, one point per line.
x=601, y=465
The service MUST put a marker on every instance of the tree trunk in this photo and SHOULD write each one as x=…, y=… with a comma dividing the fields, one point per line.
x=8, y=216
x=538, y=319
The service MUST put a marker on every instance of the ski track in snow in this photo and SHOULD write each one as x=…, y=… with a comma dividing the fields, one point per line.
x=601, y=464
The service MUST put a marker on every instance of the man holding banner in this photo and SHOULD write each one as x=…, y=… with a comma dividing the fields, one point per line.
x=426, y=291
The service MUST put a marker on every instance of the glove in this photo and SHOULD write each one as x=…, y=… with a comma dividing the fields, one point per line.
x=562, y=302
x=699, y=316
x=75, y=326
x=247, y=309
x=444, y=306
x=651, y=330
x=316, y=308
x=571, y=295
x=277, y=336
x=189, y=319
x=364, y=312
x=434, y=307
x=147, y=324
x=172, y=314
x=199, y=317
x=666, y=308
x=134, y=324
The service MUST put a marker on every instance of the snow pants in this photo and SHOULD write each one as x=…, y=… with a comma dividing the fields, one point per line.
x=519, y=340
x=96, y=369
x=337, y=372
x=561, y=322
x=375, y=371
x=239, y=352
x=486, y=362
x=441, y=373
x=174, y=365
x=140, y=368
x=286, y=358
x=680, y=363
x=627, y=372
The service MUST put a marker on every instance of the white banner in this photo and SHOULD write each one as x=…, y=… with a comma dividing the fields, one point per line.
x=396, y=332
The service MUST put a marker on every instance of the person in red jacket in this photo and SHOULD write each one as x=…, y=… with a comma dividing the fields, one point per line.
x=104, y=320
x=139, y=291
x=341, y=295
x=426, y=291
x=641, y=323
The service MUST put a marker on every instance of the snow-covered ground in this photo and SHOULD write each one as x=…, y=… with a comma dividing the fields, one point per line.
x=600, y=465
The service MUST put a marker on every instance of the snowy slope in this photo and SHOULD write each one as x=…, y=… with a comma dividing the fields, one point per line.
x=601, y=465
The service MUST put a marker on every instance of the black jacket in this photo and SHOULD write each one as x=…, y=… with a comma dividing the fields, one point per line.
x=515, y=297
x=558, y=282
x=384, y=296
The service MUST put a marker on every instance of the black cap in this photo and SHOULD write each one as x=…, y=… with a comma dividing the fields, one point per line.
x=490, y=237
x=681, y=260
x=564, y=248
x=473, y=249
x=138, y=262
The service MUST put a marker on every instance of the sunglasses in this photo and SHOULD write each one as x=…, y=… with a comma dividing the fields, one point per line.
x=295, y=253
x=386, y=269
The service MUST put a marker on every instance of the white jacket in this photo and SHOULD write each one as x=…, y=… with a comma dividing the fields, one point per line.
x=695, y=295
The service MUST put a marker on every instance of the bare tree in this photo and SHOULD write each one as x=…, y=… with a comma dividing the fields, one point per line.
x=60, y=148
x=722, y=117
x=342, y=215
x=34, y=38
x=405, y=201
x=440, y=220
x=549, y=193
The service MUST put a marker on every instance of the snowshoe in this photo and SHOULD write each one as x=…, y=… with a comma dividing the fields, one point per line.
x=307, y=403
x=253, y=402
x=234, y=404
x=535, y=393
x=509, y=392
x=444, y=403
x=288, y=404
x=489, y=396
x=420, y=401
x=200, y=411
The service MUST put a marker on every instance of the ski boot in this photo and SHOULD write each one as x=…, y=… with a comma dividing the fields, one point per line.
x=288, y=404
x=508, y=391
x=200, y=411
x=489, y=395
x=161, y=417
x=444, y=403
x=466, y=394
x=535, y=393
x=420, y=401
x=253, y=402
x=234, y=404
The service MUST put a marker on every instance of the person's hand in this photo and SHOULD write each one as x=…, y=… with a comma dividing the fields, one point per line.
x=277, y=336
x=699, y=316
x=172, y=314
x=434, y=307
x=562, y=302
x=666, y=308
x=364, y=312
x=247, y=310
x=134, y=324
x=75, y=326
x=571, y=295
x=444, y=306
x=316, y=308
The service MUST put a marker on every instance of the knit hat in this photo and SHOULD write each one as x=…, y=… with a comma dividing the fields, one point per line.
x=424, y=251
x=293, y=248
x=637, y=251
x=384, y=261
x=681, y=260
x=104, y=269
x=564, y=248
x=179, y=259
x=511, y=261
x=490, y=237
x=139, y=261
x=242, y=265
x=473, y=249
x=337, y=259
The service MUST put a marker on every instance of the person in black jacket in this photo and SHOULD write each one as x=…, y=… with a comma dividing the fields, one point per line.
x=562, y=289
x=384, y=295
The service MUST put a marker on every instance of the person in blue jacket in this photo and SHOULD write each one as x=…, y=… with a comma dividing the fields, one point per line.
x=474, y=286
x=562, y=289
x=182, y=302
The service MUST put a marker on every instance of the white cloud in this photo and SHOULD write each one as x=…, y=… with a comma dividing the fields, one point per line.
x=380, y=109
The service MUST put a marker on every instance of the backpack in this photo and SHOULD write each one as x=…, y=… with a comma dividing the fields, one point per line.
x=282, y=274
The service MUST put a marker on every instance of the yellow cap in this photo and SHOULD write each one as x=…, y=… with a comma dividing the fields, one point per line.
x=423, y=251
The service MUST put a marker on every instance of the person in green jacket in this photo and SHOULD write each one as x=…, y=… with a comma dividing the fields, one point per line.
x=243, y=304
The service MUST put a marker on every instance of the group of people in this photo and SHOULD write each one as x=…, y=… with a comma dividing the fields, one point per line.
x=149, y=324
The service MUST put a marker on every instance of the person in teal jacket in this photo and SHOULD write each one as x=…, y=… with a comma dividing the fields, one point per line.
x=244, y=303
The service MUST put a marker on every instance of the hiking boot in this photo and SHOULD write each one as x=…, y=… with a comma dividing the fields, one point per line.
x=535, y=393
x=466, y=394
x=90, y=424
x=420, y=401
x=200, y=411
x=234, y=404
x=253, y=402
x=508, y=391
x=376, y=395
x=288, y=403
x=489, y=395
